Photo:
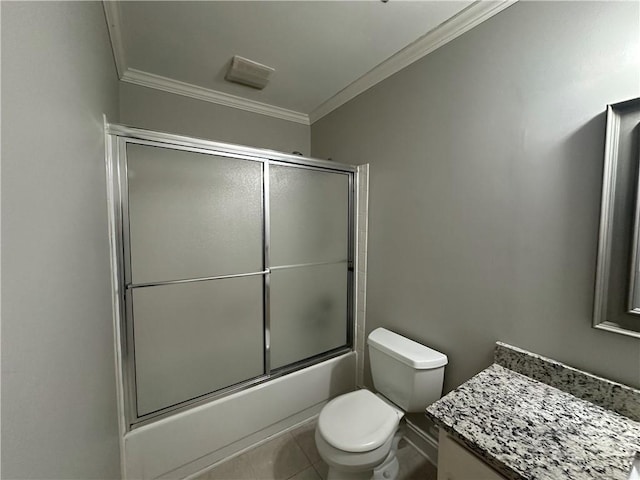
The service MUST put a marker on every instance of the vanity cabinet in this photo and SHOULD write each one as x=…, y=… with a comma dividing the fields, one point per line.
x=455, y=462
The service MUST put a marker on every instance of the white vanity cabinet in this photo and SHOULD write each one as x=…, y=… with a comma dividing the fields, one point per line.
x=455, y=462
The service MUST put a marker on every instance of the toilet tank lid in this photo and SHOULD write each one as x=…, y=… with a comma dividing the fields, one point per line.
x=405, y=350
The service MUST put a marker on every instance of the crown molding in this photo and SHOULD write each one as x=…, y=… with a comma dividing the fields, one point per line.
x=113, y=17
x=170, y=85
x=464, y=21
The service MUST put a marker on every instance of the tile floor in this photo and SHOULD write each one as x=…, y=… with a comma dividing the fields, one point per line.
x=293, y=456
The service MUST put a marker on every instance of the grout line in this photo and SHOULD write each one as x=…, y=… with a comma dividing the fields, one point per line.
x=305, y=454
x=309, y=464
x=315, y=467
x=300, y=445
x=305, y=468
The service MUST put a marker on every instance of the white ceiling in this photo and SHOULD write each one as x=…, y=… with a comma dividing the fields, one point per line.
x=318, y=48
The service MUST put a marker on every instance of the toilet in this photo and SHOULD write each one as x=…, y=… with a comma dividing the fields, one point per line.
x=357, y=433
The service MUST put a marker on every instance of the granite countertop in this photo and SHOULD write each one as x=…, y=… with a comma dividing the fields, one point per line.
x=526, y=429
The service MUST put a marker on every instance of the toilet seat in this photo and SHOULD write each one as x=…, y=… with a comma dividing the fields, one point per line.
x=358, y=422
x=348, y=461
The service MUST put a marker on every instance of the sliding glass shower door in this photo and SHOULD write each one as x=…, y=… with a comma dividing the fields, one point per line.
x=235, y=266
x=309, y=262
x=195, y=232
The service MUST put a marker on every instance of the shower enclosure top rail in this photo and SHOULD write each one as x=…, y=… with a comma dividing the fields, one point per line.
x=258, y=154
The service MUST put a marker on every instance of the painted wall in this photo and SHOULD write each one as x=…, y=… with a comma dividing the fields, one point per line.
x=156, y=110
x=58, y=381
x=486, y=168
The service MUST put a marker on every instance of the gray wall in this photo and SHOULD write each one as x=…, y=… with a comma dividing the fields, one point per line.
x=156, y=110
x=58, y=381
x=486, y=168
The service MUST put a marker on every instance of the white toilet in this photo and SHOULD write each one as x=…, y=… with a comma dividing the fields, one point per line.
x=358, y=433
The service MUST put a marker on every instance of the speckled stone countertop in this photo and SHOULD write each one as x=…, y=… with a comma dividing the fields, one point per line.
x=601, y=391
x=528, y=430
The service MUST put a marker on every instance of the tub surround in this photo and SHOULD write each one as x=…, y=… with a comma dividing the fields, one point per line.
x=526, y=428
x=360, y=301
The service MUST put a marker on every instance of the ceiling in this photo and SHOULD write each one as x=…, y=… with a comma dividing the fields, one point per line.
x=320, y=50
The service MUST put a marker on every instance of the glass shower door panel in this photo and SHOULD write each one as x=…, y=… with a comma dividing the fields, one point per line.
x=195, y=338
x=309, y=215
x=192, y=215
x=308, y=312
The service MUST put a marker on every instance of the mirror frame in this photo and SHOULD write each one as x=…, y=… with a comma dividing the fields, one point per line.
x=633, y=307
x=613, y=142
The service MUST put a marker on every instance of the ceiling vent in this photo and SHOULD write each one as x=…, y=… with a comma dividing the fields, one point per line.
x=247, y=72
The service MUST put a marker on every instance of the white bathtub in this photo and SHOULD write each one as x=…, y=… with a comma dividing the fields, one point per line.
x=188, y=442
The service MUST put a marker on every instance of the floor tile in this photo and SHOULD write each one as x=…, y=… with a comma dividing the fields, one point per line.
x=238, y=468
x=305, y=436
x=278, y=459
x=322, y=469
x=293, y=456
x=308, y=473
x=413, y=466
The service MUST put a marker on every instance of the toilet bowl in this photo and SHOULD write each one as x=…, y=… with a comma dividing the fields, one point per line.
x=357, y=433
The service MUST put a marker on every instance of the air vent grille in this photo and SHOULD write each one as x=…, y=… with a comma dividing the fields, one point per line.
x=247, y=72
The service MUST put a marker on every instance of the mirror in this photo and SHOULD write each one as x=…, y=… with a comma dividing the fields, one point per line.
x=617, y=294
x=634, y=287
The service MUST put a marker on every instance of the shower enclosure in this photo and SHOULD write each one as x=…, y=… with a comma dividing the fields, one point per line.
x=232, y=266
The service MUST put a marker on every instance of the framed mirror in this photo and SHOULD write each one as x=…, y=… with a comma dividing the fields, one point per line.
x=617, y=290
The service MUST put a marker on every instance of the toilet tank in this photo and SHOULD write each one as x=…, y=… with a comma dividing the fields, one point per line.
x=405, y=372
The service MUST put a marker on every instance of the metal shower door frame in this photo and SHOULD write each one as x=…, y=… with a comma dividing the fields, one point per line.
x=117, y=137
